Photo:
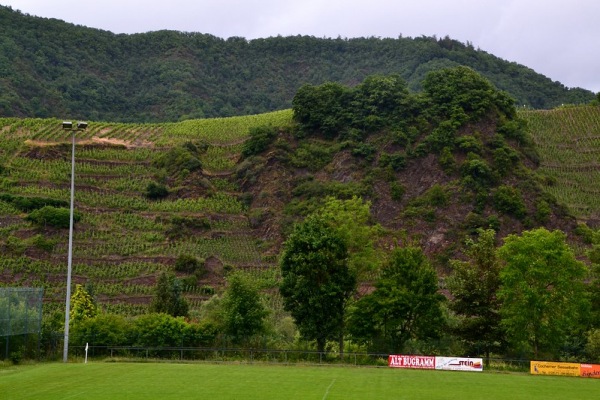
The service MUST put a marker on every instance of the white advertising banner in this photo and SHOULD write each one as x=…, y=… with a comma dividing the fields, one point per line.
x=459, y=364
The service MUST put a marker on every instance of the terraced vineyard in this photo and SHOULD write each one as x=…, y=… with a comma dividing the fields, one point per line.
x=124, y=239
x=568, y=141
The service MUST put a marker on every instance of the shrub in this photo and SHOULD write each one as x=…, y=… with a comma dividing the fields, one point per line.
x=15, y=245
x=424, y=213
x=41, y=242
x=28, y=204
x=505, y=159
x=246, y=199
x=436, y=196
x=585, y=232
x=159, y=330
x=189, y=283
x=515, y=129
x=509, y=200
x=101, y=330
x=592, y=347
x=442, y=136
x=313, y=156
x=396, y=161
x=260, y=139
x=155, y=191
x=189, y=264
x=447, y=160
x=364, y=150
x=180, y=222
x=53, y=216
x=405, y=137
x=257, y=216
x=397, y=190
x=469, y=143
x=182, y=159
x=542, y=212
x=476, y=172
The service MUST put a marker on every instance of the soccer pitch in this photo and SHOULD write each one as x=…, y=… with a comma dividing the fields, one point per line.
x=104, y=380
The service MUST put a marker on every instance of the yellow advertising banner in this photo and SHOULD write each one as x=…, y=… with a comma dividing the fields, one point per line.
x=554, y=368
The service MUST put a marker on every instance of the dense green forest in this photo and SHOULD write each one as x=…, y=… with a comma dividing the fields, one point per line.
x=49, y=68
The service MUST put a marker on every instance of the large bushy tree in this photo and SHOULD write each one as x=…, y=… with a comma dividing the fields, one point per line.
x=474, y=286
x=242, y=307
x=168, y=296
x=352, y=220
x=405, y=304
x=543, y=295
x=460, y=94
x=316, y=281
x=323, y=109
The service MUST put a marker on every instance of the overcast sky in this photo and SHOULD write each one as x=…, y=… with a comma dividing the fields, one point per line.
x=557, y=38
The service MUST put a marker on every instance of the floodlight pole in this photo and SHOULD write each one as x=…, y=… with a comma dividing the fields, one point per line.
x=68, y=126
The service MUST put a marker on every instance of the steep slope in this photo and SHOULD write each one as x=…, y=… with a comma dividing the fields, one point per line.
x=124, y=238
x=235, y=186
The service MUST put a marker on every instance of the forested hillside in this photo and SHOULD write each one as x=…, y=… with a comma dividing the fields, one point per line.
x=370, y=201
x=49, y=68
x=227, y=191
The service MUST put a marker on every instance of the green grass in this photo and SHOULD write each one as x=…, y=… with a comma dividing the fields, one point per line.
x=97, y=380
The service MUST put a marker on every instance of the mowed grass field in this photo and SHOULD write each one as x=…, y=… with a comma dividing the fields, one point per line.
x=100, y=380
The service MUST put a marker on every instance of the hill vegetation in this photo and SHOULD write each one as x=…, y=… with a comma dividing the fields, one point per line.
x=49, y=68
x=206, y=199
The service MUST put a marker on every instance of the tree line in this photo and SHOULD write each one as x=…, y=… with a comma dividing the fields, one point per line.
x=528, y=296
x=50, y=68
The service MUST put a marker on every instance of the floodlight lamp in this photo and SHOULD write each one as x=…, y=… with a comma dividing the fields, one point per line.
x=81, y=125
x=67, y=125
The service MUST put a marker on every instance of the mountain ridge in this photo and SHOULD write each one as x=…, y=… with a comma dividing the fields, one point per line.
x=52, y=68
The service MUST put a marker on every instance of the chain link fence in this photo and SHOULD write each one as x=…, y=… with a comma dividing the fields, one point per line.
x=20, y=320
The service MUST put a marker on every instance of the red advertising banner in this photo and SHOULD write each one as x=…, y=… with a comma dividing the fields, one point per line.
x=590, y=370
x=418, y=362
x=459, y=364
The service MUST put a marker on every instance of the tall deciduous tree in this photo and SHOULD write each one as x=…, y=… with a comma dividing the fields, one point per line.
x=352, y=221
x=242, y=307
x=405, y=304
x=168, y=298
x=474, y=285
x=317, y=282
x=542, y=293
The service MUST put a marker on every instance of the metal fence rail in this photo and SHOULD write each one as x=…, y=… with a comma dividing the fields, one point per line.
x=252, y=355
